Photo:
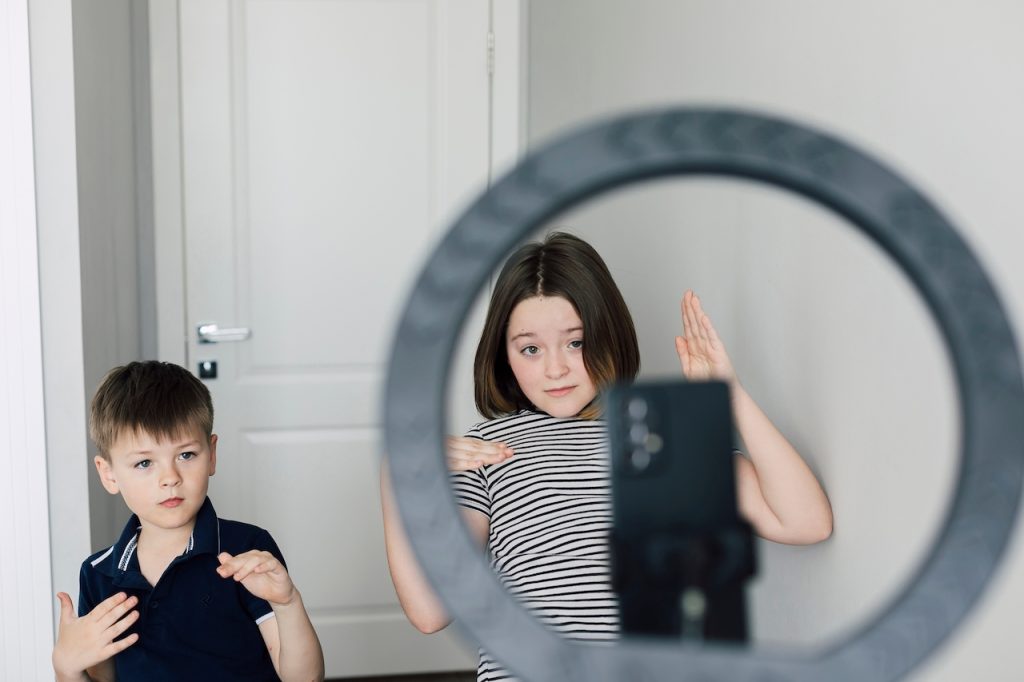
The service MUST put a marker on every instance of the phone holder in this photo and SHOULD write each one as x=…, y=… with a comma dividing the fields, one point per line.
x=686, y=583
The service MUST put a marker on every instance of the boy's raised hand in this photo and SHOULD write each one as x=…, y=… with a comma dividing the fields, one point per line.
x=261, y=573
x=87, y=641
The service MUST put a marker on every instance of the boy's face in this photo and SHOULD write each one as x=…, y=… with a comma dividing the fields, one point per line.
x=163, y=482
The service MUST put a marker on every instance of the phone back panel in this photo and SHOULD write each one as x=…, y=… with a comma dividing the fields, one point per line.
x=672, y=457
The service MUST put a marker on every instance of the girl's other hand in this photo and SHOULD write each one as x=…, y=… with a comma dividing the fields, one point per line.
x=472, y=453
x=701, y=353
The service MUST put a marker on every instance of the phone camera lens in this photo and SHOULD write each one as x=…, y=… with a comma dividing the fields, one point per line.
x=638, y=433
x=654, y=443
x=637, y=408
x=640, y=459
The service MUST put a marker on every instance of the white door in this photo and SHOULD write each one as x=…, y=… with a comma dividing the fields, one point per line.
x=323, y=144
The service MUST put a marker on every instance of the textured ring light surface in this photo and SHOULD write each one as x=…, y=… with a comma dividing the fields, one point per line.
x=679, y=142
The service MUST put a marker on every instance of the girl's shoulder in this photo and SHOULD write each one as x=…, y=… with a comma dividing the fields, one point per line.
x=528, y=421
x=486, y=429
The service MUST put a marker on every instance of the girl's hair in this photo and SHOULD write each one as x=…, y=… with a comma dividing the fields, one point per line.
x=566, y=266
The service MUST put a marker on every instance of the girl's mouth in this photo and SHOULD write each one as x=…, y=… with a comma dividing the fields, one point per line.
x=559, y=392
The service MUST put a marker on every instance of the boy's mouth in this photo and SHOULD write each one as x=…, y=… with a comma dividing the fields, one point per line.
x=172, y=502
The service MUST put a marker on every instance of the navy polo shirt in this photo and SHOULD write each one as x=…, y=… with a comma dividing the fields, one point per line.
x=193, y=624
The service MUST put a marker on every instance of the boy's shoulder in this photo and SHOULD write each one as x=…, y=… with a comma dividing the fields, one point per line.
x=96, y=558
x=212, y=534
x=238, y=536
x=215, y=534
x=109, y=559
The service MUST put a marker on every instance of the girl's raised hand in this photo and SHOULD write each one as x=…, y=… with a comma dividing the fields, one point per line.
x=701, y=353
x=472, y=453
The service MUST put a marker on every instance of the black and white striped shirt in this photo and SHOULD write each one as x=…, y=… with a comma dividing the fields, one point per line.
x=550, y=516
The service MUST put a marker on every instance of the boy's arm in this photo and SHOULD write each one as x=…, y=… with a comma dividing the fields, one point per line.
x=291, y=640
x=102, y=672
x=87, y=643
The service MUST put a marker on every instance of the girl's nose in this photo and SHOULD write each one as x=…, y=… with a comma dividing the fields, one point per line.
x=556, y=367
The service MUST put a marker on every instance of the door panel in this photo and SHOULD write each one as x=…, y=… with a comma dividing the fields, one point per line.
x=324, y=143
x=313, y=457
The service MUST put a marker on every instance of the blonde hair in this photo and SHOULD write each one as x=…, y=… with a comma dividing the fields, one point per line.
x=161, y=399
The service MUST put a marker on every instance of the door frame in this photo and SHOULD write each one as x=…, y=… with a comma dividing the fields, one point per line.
x=24, y=635
x=508, y=136
x=46, y=528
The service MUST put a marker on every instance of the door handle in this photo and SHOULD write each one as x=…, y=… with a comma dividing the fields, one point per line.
x=209, y=332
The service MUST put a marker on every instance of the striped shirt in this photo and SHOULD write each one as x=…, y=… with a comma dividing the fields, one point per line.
x=550, y=516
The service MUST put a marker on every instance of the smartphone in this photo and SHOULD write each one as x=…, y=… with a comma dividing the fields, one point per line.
x=680, y=550
x=672, y=457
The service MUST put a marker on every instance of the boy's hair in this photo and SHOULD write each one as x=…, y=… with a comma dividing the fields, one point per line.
x=561, y=265
x=159, y=398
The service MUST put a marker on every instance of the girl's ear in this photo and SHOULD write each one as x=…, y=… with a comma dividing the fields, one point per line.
x=106, y=473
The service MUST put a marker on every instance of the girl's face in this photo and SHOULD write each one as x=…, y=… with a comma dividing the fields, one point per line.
x=544, y=342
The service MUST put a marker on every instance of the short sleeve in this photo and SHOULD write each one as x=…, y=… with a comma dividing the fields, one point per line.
x=260, y=609
x=470, y=487
x=86, y=600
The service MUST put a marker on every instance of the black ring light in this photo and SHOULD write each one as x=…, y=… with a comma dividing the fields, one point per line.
x=687, y=141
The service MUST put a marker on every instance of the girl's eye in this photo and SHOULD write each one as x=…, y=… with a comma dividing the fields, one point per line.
x=576, y=344
x=530, y=350
x=143, y=464
x=187, y=456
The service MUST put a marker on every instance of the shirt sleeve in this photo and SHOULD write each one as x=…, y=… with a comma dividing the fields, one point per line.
x=470, y=487
x=260, y=609
x=86, y=600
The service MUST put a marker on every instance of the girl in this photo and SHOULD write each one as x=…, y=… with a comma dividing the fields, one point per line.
x=533, y=480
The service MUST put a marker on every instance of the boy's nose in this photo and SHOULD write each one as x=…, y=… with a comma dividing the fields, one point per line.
x=170, y=478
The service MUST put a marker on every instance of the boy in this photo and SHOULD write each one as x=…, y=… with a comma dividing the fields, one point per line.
x=182, y=594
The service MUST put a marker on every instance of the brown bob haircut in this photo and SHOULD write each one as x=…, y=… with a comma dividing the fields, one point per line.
x=560, y=265
x=160, y=399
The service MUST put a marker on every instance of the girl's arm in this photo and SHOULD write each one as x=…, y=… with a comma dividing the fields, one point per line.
x=777, y=492
x=421, y=605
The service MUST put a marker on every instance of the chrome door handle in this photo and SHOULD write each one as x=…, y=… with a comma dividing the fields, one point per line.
x=209, y=332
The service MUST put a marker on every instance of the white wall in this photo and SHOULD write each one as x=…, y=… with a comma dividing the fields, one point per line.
x=118, y=301
x=825, y=332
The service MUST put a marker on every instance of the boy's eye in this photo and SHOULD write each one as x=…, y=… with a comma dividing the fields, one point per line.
x=576, y=344
x=187, y=456
x=530, y=350
x=143, y=464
